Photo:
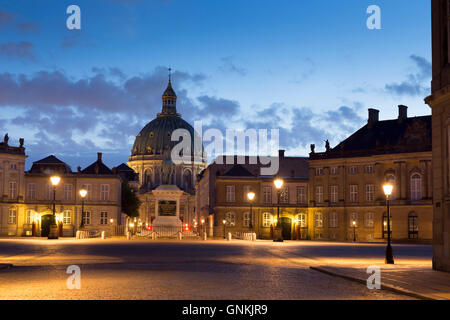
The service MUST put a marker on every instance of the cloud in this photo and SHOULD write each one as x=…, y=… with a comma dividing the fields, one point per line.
x=416, y=84
x=6, y=18
x=229, y=66
x=17, y=51
x=27, y=27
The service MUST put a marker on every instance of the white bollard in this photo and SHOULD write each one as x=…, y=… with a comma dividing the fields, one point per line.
x=128, y=235
x=154, y=236
x=229, y=236
x=253, y=236
x=103, y=234
x=205, y=236
x=77, y=236
x=180, y=236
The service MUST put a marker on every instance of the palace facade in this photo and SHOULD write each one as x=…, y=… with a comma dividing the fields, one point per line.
x=439, y=101
x=26, y=204
x=324, y=194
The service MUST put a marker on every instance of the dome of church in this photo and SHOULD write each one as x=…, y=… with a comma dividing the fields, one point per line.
x=155, y=137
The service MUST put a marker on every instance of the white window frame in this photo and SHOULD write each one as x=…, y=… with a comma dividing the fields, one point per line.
x=31, y=191
x=67, y=192
x=353, y=193
x=267, y=192
x=67, y=217
x=416, y=187
x=302, y=195
x=284, y=196
x=104, y=218
x=334, y=170
x=267, y=219
x=12, y=216
x=353, y=170
x=246, y=219
x=231, y=194
x=12, y=190
x=334, y=194
x=28, y=216
x=368, y=169
x=88, y=188
x=319, y=194
x=104, y=192
x=333, y=220
x=369, y=220
x=370, y=191
x=318, y=219
x=302, y=219
x=319, y=171
x=87, y=217
x=231, y=219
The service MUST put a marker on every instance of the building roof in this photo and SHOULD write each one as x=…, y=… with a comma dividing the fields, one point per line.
x=126, y=173
x=98, y=167
x=384, y=137
x=49, y=165
x=238, y=171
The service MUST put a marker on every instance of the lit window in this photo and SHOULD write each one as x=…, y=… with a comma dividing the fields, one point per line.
x=284, y=196
x=29, y=217
x=67, y=214
x=318, y=220
x=12, y=216
x=302, y=220
x=231, y=219
x=266, y=219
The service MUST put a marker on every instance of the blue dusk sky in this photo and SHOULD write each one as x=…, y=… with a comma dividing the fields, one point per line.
x=308, y=68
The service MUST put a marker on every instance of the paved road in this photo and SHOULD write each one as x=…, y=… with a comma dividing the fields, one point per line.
x=145, y=269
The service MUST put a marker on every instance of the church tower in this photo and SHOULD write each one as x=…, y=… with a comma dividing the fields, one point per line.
x=439, y=101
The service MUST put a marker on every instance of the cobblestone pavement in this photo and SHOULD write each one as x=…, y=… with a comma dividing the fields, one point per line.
x=145, y=269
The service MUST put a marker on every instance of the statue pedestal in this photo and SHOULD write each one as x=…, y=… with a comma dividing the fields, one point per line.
x=167, y=215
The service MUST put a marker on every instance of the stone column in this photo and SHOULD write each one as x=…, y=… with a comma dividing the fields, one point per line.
x=424, y=182
x=404, y=182
x=429, y=180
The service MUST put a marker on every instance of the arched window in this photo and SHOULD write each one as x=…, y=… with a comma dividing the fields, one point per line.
x=187, y=180
x=148, y=177
x=416, y=187
x=413, y=226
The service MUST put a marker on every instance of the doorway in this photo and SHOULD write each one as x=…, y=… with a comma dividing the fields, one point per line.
x=46, y=220
x=286, y=228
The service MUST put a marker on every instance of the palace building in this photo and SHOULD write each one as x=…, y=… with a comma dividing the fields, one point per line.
x=166, y=189
x=332, y=195
x=439, y=101
x=26, y=205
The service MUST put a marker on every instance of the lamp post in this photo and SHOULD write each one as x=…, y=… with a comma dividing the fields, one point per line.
x=83, y=194
x=224, y=230
x=251, y=196
x=53, y=234
x=278, y=236
x=354, y=231
x=387, y=188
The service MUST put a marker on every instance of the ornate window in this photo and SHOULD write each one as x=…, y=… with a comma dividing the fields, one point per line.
x=416, y=187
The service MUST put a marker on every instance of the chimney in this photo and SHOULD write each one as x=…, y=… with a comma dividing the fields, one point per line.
x=373, y=117
x=402, y=113
x=281, y=153
x=79, y=169
x=99, y=156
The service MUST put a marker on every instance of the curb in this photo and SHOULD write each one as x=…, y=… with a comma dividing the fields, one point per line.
x=383, y=286
x=5, y=266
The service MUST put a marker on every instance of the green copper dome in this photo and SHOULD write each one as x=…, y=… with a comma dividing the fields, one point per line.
x=155, y=137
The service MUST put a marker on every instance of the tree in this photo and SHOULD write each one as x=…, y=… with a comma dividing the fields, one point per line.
x=130, y=201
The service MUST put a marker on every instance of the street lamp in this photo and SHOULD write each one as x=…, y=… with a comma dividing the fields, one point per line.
x=53, y=234
x=387, y=188
x=83, y=194
x=224, y=221
x=354, y=231
x=278, y=237
x=251, y=196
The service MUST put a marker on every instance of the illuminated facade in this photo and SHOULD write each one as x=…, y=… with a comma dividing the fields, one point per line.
x=27, y=197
